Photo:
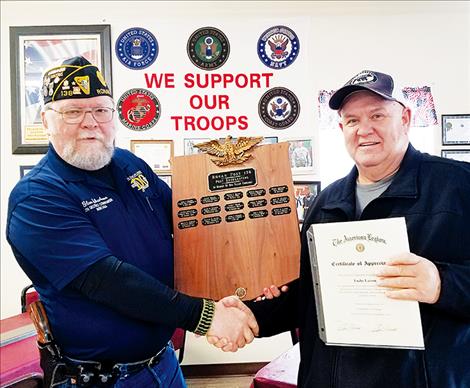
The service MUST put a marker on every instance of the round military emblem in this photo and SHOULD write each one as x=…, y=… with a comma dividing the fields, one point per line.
x=240, y=292
x=208, y=48
x=138, y=109
x=136, y=48
x=360, y=247
x=279, y=108
x=278, y=47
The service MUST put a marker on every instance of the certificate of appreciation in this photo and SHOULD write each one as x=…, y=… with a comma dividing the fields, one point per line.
x=352, y=310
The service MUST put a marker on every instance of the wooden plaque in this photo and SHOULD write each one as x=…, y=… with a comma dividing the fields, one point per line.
x=235, y=227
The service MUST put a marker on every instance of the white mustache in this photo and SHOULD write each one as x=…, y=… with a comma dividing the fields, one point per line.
x=97, y=136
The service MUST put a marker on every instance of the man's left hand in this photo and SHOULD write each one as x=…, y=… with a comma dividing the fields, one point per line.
x=411, y=277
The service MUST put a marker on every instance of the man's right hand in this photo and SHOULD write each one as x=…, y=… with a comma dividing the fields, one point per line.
x=233, y=325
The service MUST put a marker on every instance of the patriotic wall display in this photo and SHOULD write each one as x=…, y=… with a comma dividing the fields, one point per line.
x=212, y=96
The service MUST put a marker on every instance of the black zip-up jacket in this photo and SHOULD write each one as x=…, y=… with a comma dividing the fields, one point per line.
x=433, y=194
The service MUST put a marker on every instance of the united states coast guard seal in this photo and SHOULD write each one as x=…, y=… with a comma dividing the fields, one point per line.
x=138, y=109
x=208, y=48
x=279, y=108
x=278, y=47
x=136, y=48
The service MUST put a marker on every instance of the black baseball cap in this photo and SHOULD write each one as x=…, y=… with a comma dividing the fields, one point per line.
x=378, y=83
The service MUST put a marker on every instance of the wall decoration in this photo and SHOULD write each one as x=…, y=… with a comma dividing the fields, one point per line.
x=156, y=153
x=32, y=51
x=24, y=170
x=278, y=47
x=189, y=148
x=139, y=109
x=301, y=155
x=329, y=118
x=208, y=48
x=136, y=48
x=166, y=179
x=456, y=129
x=421, y=102
x=462, y=155
x=305, y=193
x=279, y=108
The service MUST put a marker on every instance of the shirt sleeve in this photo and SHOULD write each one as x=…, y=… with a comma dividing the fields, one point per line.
x=55, y=237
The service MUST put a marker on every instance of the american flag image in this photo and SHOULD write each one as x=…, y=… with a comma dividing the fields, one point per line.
x=328, y=118
x=420, y=101
x=40, y=54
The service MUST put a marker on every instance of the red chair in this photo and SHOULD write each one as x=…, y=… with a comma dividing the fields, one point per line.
x=30, y=295
x=33, y=380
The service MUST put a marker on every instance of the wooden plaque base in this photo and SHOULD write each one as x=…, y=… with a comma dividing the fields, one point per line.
x=227, y=238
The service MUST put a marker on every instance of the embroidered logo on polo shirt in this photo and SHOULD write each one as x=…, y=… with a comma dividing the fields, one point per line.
x=138, y=181
x=97, y=204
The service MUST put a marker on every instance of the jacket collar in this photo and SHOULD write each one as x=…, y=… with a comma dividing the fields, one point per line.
x=404, y=185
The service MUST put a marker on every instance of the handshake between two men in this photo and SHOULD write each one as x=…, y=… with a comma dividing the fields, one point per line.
x=234, y=324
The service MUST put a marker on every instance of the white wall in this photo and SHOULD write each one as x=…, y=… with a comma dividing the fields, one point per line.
x=420, y=43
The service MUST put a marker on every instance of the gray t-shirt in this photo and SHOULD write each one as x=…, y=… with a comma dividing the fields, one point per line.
x=366, y=193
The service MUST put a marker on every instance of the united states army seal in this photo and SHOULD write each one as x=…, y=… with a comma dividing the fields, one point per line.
x=208, y=48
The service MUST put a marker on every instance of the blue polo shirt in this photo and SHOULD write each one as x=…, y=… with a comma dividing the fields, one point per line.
x=61, y=220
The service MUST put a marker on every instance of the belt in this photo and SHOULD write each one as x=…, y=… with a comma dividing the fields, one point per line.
x=86, y=373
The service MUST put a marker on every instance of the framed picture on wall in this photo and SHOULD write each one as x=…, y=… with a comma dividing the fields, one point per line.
x=166, y=179
x=189, y=148
x=24, y=170
x=269, y=140
x=301, y=155
x=35, y=49
x=156, y=153
x=305, y=193
x=462, y=155
x=456, y=129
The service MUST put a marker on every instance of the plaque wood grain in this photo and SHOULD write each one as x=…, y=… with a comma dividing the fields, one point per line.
x=214, y=260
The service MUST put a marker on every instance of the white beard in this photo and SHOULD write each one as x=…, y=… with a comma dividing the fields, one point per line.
x=91, y=158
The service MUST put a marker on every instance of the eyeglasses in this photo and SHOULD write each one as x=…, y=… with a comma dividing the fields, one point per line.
x=76, y=115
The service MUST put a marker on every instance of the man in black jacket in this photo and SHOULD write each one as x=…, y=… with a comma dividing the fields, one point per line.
x=390, y=179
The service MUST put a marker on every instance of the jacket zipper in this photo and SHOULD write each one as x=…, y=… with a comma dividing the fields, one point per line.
x=333, y=370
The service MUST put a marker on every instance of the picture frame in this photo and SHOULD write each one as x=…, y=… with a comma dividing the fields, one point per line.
x=25, y=169
x=463, y=155
x=166, y=179
x=156, y=153
x=455, y=129
x=33, y=50
x=305, y=193
x=301, y=155
x=189, y=148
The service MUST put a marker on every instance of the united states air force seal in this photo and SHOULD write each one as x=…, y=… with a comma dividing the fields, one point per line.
x=208, y=48
x=279, y=108
x=138, y=109
x=278, y=47
x=136, y=48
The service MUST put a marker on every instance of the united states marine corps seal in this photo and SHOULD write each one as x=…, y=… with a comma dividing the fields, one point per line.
x=138, y=109
x=279, y=108
x=208, y=48
x=278, y=47
x=136, y=48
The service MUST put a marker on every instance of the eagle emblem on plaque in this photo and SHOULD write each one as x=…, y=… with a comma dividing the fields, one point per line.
x=229, y=152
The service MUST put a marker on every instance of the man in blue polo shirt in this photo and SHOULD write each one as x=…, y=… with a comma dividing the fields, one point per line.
x=91, y=225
